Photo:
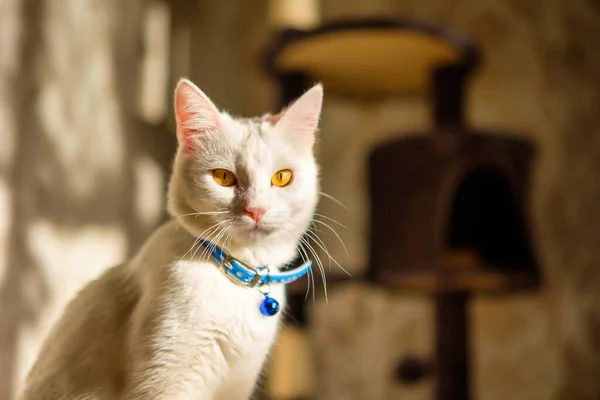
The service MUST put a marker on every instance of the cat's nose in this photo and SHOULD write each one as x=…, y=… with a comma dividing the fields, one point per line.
x=255, y=213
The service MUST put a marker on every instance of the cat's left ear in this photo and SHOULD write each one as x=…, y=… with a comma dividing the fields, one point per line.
x=302, y=117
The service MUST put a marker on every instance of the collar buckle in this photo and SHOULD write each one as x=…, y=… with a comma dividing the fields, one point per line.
x=227, y=268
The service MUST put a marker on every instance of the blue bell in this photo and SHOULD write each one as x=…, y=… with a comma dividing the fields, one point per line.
x=269, y=306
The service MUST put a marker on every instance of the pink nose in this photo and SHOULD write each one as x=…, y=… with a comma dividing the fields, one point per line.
x=255, y=213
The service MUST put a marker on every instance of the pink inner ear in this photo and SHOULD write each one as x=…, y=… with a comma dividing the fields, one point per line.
x=195, y=114
x=302, y=117
x=274, y=119
x=183, y=115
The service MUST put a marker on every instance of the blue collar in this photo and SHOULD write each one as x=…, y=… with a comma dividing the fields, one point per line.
x=244, y=275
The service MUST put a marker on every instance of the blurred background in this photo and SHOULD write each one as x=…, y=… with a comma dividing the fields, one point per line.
x=87, y=138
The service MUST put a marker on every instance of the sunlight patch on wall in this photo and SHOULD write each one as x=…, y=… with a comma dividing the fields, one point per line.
x=78, y=106
x=150, y=181
x=155, y=62
x=10, y=44
x=7, y=133
x=67, y=259
x=5, y=224
x=10, y=36
x=301, y=14
x=8, y=128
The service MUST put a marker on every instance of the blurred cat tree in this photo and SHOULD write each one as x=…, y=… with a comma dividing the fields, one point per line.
x=528, y=84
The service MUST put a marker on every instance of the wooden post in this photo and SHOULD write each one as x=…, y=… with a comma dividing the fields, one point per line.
x=452, y=346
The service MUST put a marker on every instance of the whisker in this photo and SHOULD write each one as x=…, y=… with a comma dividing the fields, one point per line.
x=228, y=238
x=303, y=254
x=220, y=237
x=196, y=214
x=312, y=278
x=324, y=248
x=319, y=264
x=223, y=210
x=213, y=230
x=198, y=239
x=321, y=269
x=336, y=201
x=208, y=250
x=335, y=233
x=331, y=219
x=312, y=235
x=304, y=258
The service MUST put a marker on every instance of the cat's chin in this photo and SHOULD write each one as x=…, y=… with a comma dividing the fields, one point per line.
x=262, y=234
x=257, y=233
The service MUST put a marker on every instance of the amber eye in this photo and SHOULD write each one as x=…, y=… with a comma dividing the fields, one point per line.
x=224, y=177
x=281, y=178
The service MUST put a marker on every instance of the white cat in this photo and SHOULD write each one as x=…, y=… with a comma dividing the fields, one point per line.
x=169, y=324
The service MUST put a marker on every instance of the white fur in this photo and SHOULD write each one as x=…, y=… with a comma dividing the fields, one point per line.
x=168, y=324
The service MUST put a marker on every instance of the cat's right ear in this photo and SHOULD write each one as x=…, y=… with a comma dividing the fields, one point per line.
x=195, y=114
x=302, y=117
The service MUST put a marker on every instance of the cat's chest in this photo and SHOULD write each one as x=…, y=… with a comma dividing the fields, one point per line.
x=233, y=309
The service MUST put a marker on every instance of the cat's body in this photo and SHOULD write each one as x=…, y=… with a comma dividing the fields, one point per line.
x=183, y=315
x=169, y=324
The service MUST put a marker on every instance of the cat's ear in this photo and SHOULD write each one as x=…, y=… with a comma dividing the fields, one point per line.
x=195, y=114
x=302, y=117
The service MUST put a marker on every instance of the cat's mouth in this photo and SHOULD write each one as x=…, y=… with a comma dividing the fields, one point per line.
x=261, y=229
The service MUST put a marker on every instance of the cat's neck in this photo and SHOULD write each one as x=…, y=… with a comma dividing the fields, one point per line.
x=270, y=252
x=263, y=254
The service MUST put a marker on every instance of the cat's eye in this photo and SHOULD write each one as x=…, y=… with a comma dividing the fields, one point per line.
x=281, y=178
x=224, y=177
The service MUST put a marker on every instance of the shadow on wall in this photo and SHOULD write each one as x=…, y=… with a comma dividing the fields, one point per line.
x=40, y=182
x=16, y=308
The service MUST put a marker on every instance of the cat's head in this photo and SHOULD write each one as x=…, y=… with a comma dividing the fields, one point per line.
x=244, y=180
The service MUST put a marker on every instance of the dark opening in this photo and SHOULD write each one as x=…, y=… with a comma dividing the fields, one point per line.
x=487, y=220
